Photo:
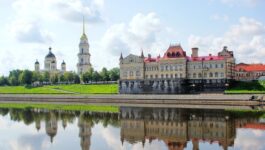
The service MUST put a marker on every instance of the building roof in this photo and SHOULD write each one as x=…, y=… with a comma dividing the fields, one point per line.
x=50, y=54
x=149, y=59
x=258, y=126
x=37, y=62
x=205, y=58
x=174, y=51
x=250, y=67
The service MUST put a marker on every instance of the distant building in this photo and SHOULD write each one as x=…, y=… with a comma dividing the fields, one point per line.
x=175, y=72
x=50, y=64
x=248, y=72
x=83, y=64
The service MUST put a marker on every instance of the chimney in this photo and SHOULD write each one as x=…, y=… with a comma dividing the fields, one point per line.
x=194, y=52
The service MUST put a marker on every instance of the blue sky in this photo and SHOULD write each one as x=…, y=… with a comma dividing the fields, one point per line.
x=29, y=27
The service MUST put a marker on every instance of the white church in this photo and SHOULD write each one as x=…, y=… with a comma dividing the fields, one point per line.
x=83, y=65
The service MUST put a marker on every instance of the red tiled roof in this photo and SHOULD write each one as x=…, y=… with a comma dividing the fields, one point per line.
x=250, y=67
x=174, y=51
x=259, y=126
x=152, y=59
x=205, y=58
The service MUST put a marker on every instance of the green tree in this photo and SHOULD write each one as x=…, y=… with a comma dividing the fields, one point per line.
x=96, y=77
x=76, y=78
x=114, y=74
x=104, y=74
x=14, y=77
x=61, y=78
x=69, y=76
x=36, y=76
x=3, y=81
x=54, y=78
x=46, y=76
x=25, y=77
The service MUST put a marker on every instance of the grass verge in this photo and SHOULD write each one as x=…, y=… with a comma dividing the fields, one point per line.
x=94, y=108
x=62, y=89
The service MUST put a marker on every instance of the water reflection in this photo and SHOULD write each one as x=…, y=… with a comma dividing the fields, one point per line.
x=176, y=128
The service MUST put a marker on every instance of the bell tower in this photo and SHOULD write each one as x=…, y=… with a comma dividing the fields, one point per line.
x=83, y=64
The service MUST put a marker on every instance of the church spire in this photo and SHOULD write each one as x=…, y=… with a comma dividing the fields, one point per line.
x=84, y=37
x=83, y=24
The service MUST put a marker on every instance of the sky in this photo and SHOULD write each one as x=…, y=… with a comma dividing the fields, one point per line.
x=29, y=27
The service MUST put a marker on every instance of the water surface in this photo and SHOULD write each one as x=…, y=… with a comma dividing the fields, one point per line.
x=133, y=128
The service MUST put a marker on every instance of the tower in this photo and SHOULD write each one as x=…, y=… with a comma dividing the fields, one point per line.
x=37, y=66
x=83, y=64
x=63, y=67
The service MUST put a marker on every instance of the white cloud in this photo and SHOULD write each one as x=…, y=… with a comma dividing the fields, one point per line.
x=219, y=17
x=246, y=39
x=241, y=2
x=29, y=32
x=142, y=32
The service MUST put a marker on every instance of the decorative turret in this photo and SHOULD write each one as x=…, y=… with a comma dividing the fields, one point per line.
x=63, y=66
x=121, y=57
x=142, y=54
x=37, y=66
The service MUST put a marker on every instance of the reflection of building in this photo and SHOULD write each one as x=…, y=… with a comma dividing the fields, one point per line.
x=51, y=126
x=84, y=132
x=175, y=71
x=175, y=127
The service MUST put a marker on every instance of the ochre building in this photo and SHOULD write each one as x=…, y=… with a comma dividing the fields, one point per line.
x=175, y=72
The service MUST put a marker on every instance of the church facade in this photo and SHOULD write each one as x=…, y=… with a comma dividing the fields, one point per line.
x=175, y=72
x=50, y=64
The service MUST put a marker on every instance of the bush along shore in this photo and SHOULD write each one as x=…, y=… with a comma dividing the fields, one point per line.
x=251, y=87
x=94, y=108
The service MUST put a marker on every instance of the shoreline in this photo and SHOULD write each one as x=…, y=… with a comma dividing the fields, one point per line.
x=208, y=101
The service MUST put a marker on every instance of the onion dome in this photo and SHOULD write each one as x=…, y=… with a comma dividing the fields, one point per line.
x=37, y=62
x=50, y=54
x=63, y=63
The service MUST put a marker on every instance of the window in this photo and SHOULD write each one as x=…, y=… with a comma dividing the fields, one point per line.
x=194, y=75
x=180, y=75
x=216, y=65
x=222, y=65
x=216, y=74
x=82, y=50
x=138, y=73
x=162, y=76
x=151, y=76
x=171, y=76
x=222, y=74
x=176, y=75
x=199, y=75
x=205, y=75
x=156, y=76
x=210, y=74
x=166, y=75
x=82, y=60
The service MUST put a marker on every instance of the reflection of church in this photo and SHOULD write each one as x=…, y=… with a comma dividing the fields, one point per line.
x=177, y=126
x=51, y=125
x=84, y=132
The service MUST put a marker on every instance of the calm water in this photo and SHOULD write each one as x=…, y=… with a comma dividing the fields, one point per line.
x=131, y=128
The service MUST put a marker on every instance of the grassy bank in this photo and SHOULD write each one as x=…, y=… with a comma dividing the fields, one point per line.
x=61, y=89
x=243, y=113
x=253, y=87
x=61, y=107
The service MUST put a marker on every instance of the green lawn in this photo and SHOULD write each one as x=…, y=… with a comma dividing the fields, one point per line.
x=25, y=90
x=253, y=87
x=62, y=89
x=62, y=107
x=88, y=89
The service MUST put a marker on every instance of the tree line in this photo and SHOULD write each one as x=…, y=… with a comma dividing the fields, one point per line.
x=27, y=77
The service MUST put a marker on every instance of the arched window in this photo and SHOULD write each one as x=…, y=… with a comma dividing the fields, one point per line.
x=82, y=60
x=82, y=50
x=173, y=54
x=168, y=55
x=177, y=54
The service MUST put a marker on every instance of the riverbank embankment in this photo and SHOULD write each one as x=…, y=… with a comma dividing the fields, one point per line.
x=183, y=101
